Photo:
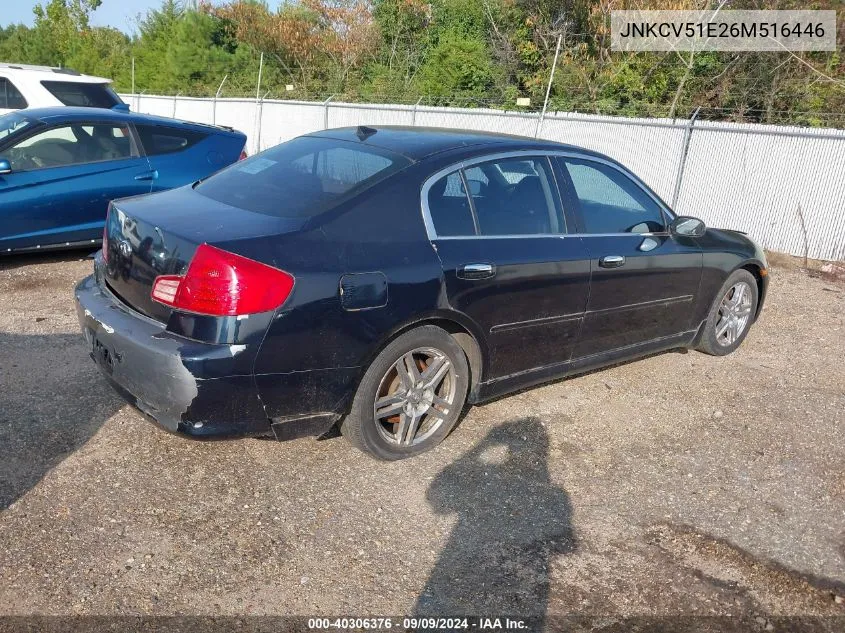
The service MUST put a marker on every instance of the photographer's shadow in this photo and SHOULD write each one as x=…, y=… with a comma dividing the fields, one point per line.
x=52, y=401
x=512, y=520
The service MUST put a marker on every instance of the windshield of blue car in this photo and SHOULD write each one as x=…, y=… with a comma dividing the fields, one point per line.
x=12, y=124
x=303, y=177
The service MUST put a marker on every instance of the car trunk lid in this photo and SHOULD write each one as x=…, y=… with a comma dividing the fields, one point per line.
x=154, y=235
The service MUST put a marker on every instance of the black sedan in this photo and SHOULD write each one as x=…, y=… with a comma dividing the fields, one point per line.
x=384, y=278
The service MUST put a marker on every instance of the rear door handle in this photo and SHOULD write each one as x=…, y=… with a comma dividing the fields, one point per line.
x=612, y=261
x=476, y=271
x=149, y=175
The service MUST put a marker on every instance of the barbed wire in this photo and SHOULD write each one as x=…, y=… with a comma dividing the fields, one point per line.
x=240, y=79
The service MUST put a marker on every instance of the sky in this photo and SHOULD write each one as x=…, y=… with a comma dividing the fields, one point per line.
x=120, y=14
x=117, y=13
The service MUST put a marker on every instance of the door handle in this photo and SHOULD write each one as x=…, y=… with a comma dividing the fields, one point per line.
x=149, y=175
x=476, y=271
x=612, y=261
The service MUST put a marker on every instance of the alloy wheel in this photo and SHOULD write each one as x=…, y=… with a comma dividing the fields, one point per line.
x=734, y=314
x=415, y=396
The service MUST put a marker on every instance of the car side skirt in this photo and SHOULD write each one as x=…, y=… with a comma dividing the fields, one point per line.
x=523, y=380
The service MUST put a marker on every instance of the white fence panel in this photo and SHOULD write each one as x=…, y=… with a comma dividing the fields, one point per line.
x=284, y=120
x=160, y=106
x=193, y=109
x=651, y=149
x=478, y=119
x=753, y=178
x=345, y=115
x=758, y=182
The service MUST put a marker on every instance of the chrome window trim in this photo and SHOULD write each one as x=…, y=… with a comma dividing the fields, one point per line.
x=556, y=236
x=470, y=201
x=461, y=165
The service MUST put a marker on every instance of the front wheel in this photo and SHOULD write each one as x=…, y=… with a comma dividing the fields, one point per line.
x=410, y=397
x=731, y=315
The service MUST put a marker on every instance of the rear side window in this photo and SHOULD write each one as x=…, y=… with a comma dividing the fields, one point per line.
x=511, y=196
x=516, y=197
x=303, y=177
x=10, y=97
x=72, y=93
x=158, y=139
x=449, y=207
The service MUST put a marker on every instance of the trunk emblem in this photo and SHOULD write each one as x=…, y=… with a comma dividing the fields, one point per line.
x=125, y=248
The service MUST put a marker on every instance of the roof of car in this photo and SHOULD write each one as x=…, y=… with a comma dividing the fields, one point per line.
x=59, y=114
x=418, y=143
x=55, y=73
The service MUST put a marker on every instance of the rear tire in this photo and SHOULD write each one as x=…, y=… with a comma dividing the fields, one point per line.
x=410, y=397
x=731, y=315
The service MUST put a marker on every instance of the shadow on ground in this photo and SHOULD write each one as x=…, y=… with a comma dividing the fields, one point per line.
x=52, y=401
x=511, y=521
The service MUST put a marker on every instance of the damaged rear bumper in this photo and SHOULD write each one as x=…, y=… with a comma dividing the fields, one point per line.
x=180, y=383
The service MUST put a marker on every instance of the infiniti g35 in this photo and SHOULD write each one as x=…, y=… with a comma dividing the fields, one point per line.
x=382, y=279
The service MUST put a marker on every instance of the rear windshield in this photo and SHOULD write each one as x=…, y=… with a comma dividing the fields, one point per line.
x=72, y=93
x=303, y=177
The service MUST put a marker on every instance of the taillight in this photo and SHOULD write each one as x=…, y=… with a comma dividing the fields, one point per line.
x=244, y=155
x=220, y=283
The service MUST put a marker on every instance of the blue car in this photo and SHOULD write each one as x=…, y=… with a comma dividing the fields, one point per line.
x=60, y=168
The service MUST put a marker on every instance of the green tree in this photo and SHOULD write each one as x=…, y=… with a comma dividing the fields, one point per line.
x=458, y=69
x=59, y=26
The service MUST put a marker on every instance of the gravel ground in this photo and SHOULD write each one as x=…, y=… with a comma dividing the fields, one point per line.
x=676, y=485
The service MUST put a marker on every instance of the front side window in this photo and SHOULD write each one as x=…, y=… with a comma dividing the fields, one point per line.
x=610, y=202
x=13, y=123
x=10, y=97
x=303, y=177
x=70, y=145
x=86, y=95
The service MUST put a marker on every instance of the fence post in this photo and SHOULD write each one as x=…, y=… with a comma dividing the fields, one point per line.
x=260, y=70
x=683, y=160
x=216, y=97
x=133, y=84
x=326, y=112
x=548, y=88
x=260, y=114
x=174, y=104
x=414, y=113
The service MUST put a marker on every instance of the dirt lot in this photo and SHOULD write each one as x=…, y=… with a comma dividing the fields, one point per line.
x=677, y=485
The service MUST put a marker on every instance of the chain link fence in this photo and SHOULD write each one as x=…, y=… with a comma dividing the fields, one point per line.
x=783, y=184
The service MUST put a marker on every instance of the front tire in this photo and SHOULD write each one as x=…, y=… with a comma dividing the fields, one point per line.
x=731, y=315
x=410, y=397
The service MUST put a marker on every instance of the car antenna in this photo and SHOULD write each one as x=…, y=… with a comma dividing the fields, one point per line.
x=364, y=132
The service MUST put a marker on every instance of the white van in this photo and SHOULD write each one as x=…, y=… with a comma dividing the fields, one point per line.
x=23, y=86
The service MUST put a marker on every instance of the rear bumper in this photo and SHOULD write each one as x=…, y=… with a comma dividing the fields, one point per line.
x=149, y=367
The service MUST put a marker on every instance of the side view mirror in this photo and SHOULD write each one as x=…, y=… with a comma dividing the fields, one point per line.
x=5, y=167
x=686, y=226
